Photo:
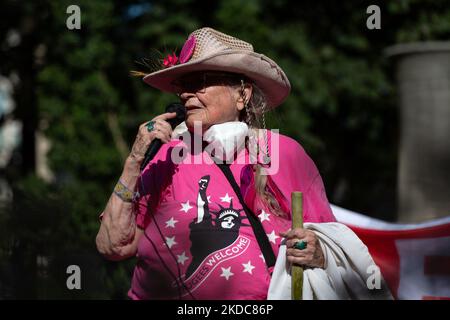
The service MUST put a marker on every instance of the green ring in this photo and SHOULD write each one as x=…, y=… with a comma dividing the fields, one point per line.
x=150, y=126
x=300, y=245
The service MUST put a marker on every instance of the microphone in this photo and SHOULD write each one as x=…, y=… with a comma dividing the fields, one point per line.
x=156, y=143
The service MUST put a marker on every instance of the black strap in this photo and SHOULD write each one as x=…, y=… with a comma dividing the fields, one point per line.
x=261, y=236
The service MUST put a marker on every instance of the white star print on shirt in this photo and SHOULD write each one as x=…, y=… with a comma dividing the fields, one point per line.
x=170, y=241
x=186, y=207
x=248, y=267
x=262, y=257
x=209, y=199
x=227, y=198
x=264, y=216
x=226, y=273
x=171, y=223
x=272, y=237
x=182, y=258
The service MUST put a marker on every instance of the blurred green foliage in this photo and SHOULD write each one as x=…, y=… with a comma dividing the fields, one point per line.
x=342, y=109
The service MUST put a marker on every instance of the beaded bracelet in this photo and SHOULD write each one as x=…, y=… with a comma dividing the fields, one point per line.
x=124, y=193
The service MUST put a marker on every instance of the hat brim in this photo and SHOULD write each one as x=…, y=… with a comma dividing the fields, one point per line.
x=266, y=74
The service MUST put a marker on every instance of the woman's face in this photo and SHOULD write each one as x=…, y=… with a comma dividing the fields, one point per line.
x=211, y=98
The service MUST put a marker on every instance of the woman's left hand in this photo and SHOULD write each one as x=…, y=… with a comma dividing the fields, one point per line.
x=310, y=257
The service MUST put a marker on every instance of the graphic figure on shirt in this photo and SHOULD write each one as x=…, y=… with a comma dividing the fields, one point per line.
x=208, y=235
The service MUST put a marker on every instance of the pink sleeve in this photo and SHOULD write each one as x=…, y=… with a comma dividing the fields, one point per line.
x=150, y=185
x=299, y=173
x=140, y=208
x=316, y=207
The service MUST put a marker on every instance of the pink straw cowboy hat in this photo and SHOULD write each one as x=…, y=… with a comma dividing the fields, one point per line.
x=207, y=49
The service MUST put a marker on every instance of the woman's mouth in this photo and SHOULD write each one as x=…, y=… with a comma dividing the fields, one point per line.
x=192, y=108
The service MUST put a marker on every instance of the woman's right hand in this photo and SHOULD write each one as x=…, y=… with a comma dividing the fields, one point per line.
x=161, y=130
x=118, y=236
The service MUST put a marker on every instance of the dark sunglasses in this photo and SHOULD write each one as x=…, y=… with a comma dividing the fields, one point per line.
x=198, y=82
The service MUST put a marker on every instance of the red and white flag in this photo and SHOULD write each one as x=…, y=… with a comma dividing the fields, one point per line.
x=414, y=258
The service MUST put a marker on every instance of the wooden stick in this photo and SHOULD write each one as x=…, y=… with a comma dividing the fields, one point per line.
x=297, y=222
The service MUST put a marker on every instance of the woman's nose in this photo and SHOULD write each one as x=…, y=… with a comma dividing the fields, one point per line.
x=185, y=95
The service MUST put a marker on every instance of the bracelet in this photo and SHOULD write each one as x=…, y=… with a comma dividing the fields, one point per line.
x=124, y=193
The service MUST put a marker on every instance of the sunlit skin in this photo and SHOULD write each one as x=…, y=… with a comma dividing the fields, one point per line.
x=217, y=104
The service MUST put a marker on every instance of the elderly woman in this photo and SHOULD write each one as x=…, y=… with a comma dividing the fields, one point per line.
x=209, y=224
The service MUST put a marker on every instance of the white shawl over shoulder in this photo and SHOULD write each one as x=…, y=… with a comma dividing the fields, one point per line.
x=349, y=269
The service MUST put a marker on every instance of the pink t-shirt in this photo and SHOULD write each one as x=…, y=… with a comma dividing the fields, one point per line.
x=198, y=242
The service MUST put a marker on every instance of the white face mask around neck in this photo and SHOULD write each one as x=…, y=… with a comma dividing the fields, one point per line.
x=226, y=139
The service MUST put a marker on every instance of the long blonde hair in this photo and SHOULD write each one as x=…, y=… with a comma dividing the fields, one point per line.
x=253, y=116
